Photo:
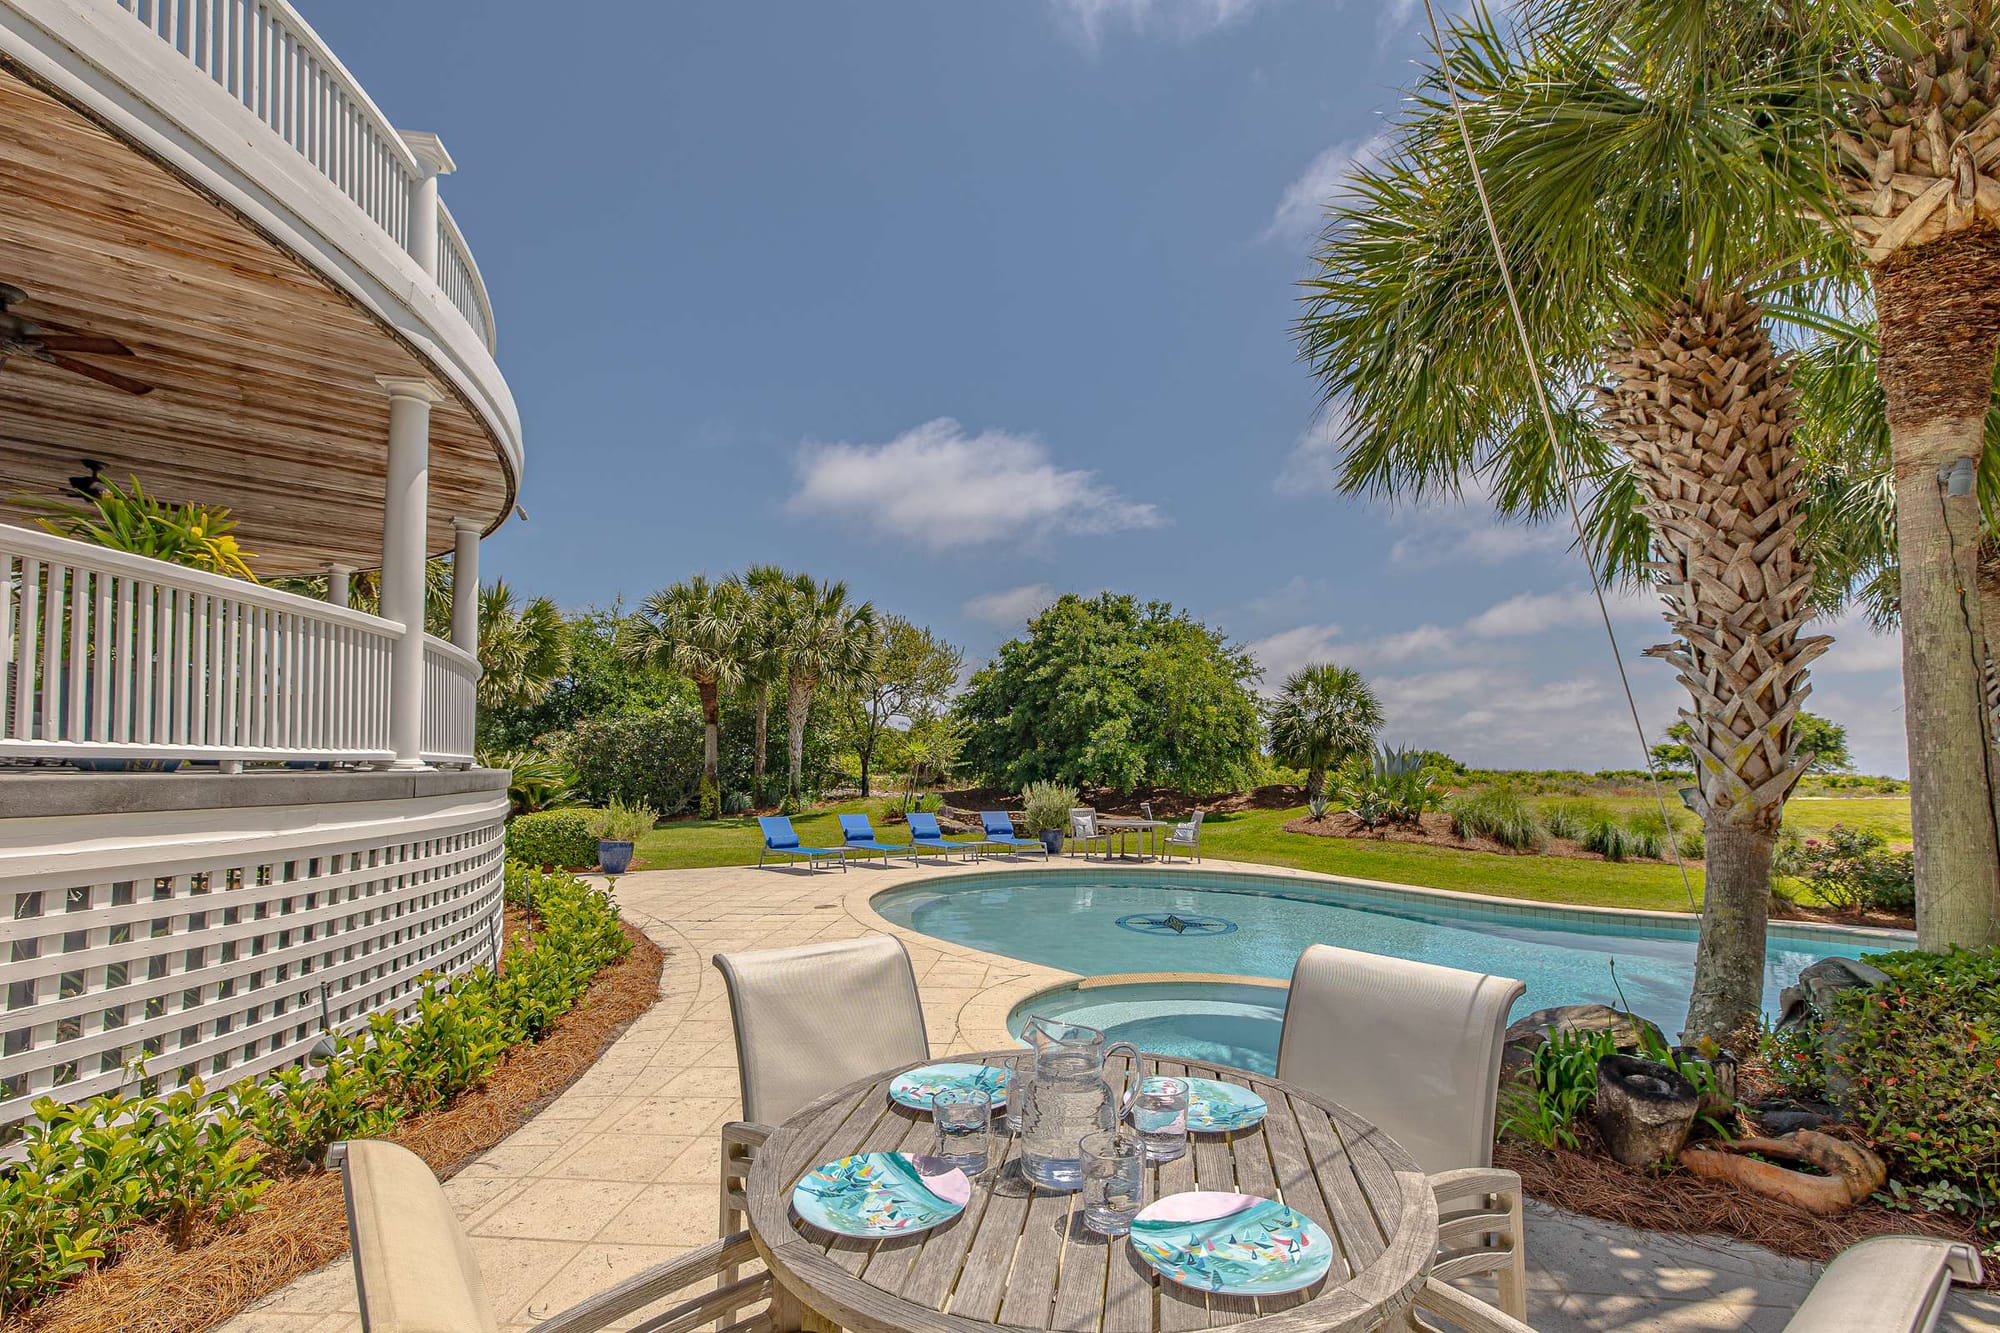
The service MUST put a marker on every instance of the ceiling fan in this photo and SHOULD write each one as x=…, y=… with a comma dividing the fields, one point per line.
x=59, y=346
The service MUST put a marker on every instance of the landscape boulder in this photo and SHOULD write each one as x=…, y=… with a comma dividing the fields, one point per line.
x=1810, y=1006
x=1644, y=1109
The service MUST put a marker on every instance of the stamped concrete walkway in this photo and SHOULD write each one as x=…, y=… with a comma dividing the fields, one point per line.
x=620, y=1172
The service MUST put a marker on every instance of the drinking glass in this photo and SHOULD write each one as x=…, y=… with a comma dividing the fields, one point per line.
x=1159, y=1114
x=1114, y=1180
x=964, y=1120
x=1020, y=1073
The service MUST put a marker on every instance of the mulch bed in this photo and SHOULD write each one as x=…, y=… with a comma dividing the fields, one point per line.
x=1434, y=830
x=303, y=1223
x=1595, y=1186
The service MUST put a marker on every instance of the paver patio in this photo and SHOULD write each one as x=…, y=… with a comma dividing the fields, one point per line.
x=619, y=1173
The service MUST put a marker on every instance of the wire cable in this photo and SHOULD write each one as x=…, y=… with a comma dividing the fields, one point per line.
x=1555, y=442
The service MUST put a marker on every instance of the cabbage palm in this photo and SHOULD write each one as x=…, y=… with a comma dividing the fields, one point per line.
x=1647, y=209
x=1324, y=714
x=522, y=648
x=824, y=641
x=694, y=629
x=763, y=663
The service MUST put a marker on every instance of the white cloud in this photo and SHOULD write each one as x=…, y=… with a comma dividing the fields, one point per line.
x=1308, y=468
x=1301, y=211
x=1539, y=612
x=1089, y=20
x=1857, y=647
x=1011, y=606
x=940, y=487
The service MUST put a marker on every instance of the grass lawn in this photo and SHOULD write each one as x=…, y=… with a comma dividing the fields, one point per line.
x=1810, y=815
x=1253, y=835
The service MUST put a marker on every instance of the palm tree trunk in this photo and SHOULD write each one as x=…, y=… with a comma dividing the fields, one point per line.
x=1988, y=579
x=1729, y=960
x=762, y=741
x=798, y=700
x=711, y=748
x=1315, y=781
x=1938, y=309
x=1702, y=404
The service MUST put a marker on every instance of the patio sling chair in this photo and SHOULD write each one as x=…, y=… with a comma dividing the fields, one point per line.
x=999, y=827
x=925, y=833
x=859, y=836
x=810, y=1019
x=1083, y=829
x=1885, y=1284
x=1415, y=1048
x=1186, y=837
x=414, y=1271
x=781, y=838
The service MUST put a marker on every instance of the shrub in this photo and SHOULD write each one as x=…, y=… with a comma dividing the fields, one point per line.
x=535, y=781
x=653, y=758
x=1920, y=1068
x=736, y=803
x=1788, y=858
x=452, y=1039
x=195, y=1162
x=1497, y=812
x=1046, y=805
x=619, y=822
x=1851, y=869
x=297, y=1113
x=1561, y=1081
x=553, y=838
x=1388, y=786
x=1573, y=820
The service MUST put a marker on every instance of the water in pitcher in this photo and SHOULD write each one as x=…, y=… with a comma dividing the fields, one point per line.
x=1065, y=1097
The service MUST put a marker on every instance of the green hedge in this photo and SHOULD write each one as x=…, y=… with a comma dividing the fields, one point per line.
x=95, y=1171
x=552, y=838
x=1923, y=1067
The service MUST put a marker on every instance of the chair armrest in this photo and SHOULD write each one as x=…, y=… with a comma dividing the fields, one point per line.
x=1464, y=1312
x=663, y=1280
x=1888, y=1284
x=1471, y=1181
x=748, y=1133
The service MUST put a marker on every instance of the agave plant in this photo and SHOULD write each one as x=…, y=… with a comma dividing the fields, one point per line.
x=1390, y=786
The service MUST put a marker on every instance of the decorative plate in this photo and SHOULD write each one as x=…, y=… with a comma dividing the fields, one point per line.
x=881, y=1194
x=916, y=1088
x=1234, y=1244
x=1218, y=1108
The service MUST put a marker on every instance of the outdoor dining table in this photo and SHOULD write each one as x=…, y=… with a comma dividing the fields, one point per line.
x=1020, y=1258
x=1147, y=829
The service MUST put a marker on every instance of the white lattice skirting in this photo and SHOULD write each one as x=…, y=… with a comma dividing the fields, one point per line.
x=209, y=942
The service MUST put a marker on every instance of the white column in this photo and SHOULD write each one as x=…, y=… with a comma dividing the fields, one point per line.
x=405, y=521
x=465, y=585
x=432, y=162
x=339, y=581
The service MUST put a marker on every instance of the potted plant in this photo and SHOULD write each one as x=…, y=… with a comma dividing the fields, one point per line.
x=1045, y=806
x=618, y=826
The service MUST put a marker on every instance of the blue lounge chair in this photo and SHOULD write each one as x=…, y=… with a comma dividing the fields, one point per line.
x=999, y=826
x=859, y=836
x=779, y=836
x=924, y=832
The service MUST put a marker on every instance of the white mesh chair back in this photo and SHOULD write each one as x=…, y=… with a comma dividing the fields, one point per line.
x=1083, y=823
x=816, y=1017
x=413, y=1268
x=1412, y=1047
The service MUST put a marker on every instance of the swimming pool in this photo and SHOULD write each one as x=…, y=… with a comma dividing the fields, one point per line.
x=1235, y=1023
x=1104, y=922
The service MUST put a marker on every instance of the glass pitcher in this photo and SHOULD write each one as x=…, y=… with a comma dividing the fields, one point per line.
x=1066, y=1097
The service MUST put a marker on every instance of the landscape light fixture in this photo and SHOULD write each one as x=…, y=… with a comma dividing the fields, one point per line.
x=1957, y=476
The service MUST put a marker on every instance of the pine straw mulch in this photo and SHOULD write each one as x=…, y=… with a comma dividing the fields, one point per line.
x=1592, y=1184
x=303, y=1223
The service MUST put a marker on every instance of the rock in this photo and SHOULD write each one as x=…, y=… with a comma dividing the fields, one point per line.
x=1852, y=1173
x=1644, y=1109
x=1818, y=984
x=1787, y=1122
x=1573, y=1019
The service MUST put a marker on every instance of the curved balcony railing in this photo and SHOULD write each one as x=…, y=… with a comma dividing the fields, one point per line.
x=267, y=57
x=105, y=655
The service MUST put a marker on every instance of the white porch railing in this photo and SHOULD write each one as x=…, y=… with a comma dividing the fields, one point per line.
x=451, y=683
x=266, y=56
x=114, y=656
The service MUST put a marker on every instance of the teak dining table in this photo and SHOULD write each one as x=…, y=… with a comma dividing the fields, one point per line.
x=1019, y=1258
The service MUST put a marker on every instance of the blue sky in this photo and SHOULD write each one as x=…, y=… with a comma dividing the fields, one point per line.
x=973, y=304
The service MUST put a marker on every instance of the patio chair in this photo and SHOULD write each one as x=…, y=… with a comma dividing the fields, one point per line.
x=781, y=837
x=414, y=1270
x=810, y=1019
x=925, y=834
x=859, y=836
x=1885, y=1284
x=1083, y=829
x=1415, y=1048
x=1185, y=836
x=999, y=829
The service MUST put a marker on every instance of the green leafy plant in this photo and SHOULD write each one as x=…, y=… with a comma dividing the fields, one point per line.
x=1389, y=786
x=620, y=822
x=553, y=838
x=535, y=781
x=453, y=1038
x=196, y=1160
x=194, y=536
x=1495, y=812
x=1574, y=820
x=1852, y=869
x=1545, y=1107
x=1046, y=805
x=297, y=1113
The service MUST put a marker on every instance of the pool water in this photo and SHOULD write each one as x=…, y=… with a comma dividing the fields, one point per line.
x=1098, y=924
x=1222, y=1022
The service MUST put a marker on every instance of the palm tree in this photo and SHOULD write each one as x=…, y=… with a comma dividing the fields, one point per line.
x=1646, y=209
x=763, y=662
x=522, y=649
x=1324, y=714
x=824, y=641
x=694, y=629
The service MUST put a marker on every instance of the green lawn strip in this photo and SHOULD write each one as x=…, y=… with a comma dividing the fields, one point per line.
x=1812, y=816
x=1255, y=836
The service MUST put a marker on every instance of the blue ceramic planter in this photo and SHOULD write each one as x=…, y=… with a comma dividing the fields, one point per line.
x=614, y=858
